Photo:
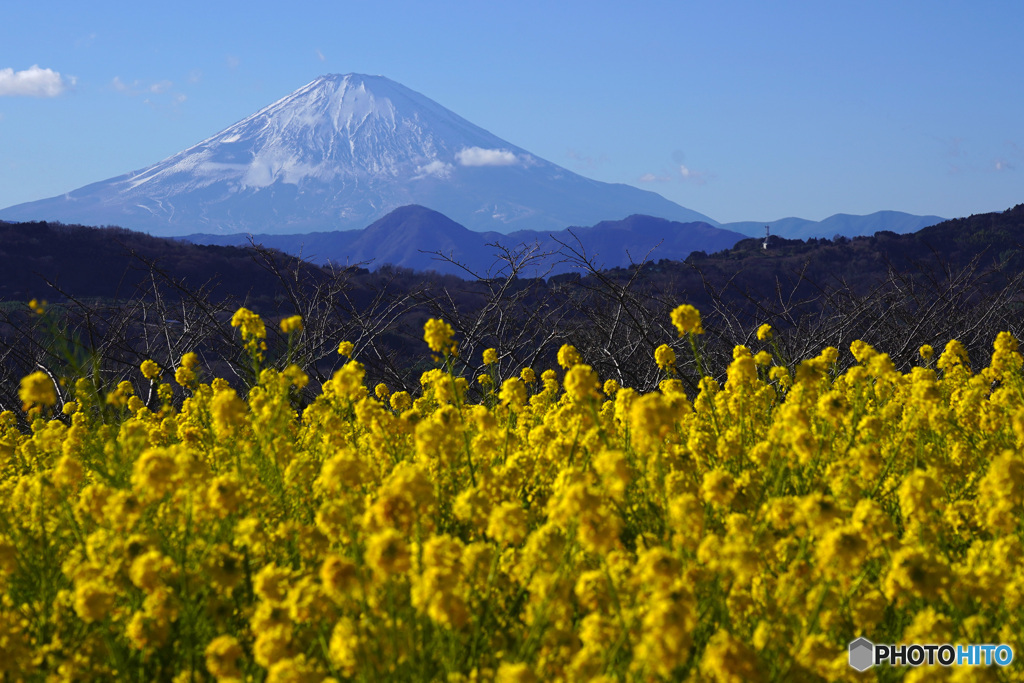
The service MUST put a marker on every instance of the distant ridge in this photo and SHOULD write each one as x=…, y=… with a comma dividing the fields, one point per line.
x=412, y=236
x=843, y=224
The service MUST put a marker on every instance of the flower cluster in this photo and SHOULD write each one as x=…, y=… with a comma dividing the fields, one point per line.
x=438, y=335
x=568, y=529
x=254, y=332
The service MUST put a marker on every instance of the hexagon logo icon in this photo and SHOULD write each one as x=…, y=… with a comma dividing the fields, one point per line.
x=862, y=654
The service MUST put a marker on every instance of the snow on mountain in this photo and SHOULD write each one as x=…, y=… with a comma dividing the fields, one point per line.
x=339, y=153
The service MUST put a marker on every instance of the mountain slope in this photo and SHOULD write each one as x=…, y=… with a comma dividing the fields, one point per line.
x=337, y=154
x=636, y=238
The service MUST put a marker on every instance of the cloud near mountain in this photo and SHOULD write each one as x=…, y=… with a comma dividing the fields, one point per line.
x=477, y=156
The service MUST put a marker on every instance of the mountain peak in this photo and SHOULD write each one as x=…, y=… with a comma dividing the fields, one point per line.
x=355, y=78
x=340, y=126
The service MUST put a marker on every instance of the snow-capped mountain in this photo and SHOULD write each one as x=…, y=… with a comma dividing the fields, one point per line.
x=338, y=154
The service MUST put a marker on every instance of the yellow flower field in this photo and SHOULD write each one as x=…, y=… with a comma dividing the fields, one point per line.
x=563, y=529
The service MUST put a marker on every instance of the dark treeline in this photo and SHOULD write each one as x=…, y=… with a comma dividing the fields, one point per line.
x=119, y=297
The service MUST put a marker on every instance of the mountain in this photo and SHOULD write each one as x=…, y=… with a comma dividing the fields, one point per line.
x=406, y=237
x=843, y=224
x=413, y=236
x=337, y=154
x=636, y=238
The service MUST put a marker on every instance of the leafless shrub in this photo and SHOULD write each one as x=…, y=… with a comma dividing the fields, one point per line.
x=616, y=319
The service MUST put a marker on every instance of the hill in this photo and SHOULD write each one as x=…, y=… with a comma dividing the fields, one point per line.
x=43, y=259
x=422, y=239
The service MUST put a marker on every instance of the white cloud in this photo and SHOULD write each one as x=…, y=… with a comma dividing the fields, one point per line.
x=437, y=168
x=651, y=178
x=1003, y=165
x=320, y=55
x=698, y=177
x=162, y=86
x=478, y=156
x=33, y=82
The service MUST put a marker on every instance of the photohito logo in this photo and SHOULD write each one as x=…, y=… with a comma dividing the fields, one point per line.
x=864, y=654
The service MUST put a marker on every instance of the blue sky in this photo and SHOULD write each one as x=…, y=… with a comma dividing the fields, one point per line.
x=739, y=110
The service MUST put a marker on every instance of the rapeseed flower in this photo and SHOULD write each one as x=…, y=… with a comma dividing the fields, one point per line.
x=340, y=578
x=513, y=393
x=400, y=401
x=37, y=389
x=150, y=369
x=728, y=660
x=569, y=529
x=665, y=358
x=568, y=356
x=185, y=375
x=291, y=324
x=222, y=655
x=253, y=331
x=438, y=335
x=93, y=600
x=387, y=554
x=581, y=383
x=251, y=324
x=228, y=411
x=686, y=319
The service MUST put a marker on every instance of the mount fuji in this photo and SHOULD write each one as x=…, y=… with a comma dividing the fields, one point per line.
x=338, y=154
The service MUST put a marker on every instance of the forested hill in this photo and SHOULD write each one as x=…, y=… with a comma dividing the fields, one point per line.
x=112, y=263
x=991, y=243
x=45, y=260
